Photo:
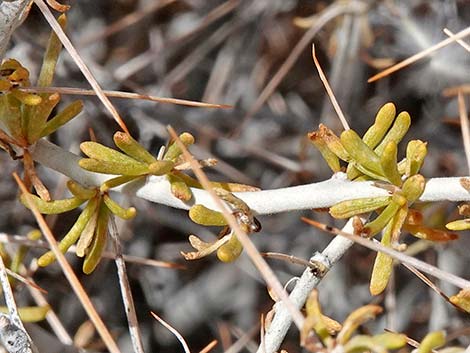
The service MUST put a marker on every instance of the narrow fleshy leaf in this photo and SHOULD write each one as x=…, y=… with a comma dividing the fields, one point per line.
x=372, y=228
x=99, y=152
x=114, y=168
x=355, y=319
x=52, y=207
x=334, y=143
x=114, y=182
x=349, y=208
x=388, y=161
x=131, y=147
x=461, y=224
x=10, y=116
x=202, y=215
x=231, y=250
x=396, y=133
x=314, y=320
x=179, y=188
x=86, y=237
x=161, y=167
x=62, y=118
x=431, y=341
x=30, y=313
x=391, y=340
x=383, y=121
x=54, y=46
x=73, y=234
x=93, y=257
x=26, y=98
x=416, y=151
x=413, y=187
x=330, y=158
x=363, y=343
x=118, y=210
x=173, y=151
x=360, y=152
x=79, y=191
x=37, y=117
x=383, y=265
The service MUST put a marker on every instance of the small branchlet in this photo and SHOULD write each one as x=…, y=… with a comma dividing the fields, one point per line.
x=374, y=157
x=90, y=228
x=25, y=117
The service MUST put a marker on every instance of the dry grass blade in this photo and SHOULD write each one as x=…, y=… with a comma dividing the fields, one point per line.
x=420, y=55
x=453, y=91
x=250, y=248
x=423, y=266
x=80, y=63
x=242, y=341
x=126, y=291
x=464, y=126
x=460, y=41
x=125, y=95
x=328, y=89
x=26, y=281
x=173, y=331
x=287, y=258
x=209, y=347
x=69, y=274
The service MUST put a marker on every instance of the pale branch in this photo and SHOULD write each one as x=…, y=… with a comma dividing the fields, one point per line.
x=308, y=196
x=11, y=16
x=282, y=320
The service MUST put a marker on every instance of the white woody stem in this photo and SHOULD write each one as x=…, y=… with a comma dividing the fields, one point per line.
x=308, y=196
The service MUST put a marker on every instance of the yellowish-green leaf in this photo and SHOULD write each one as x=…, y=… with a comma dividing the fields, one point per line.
x=179, y=188
x=79, y=191
x=52, y=207
x=51, y=56
x=331, y=159
x=396, y=133
x=161, y=167
x=362, y=154
x=115, y=168
x=355, y=319
x=391, y=340
x=63, y=117
x=231, y=250
x=30, y=313
x=415, y=153
x=389, y=163
x=461, y=224
x=131, y=147
x=383, y=265
x=114, y=182
x=118, y=210
x=173, y=151
x=73, y=234
x=413, y=187
x=372, y=228
x=349, y=208
x=432, y=340
x=26, y=98
x=93, y=257
x=383, y=121
x=363, y=343
x=202, y=215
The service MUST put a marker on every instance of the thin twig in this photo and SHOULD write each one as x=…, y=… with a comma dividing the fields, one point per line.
x=69, y=274
x=126, y=95
x=126, y=291
x=464, y=126
x=209, y=347
x=401, y=257
x=173, y=331
x=80, y=63
x=328, y=89
x=255, y=256
x=420, y=55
